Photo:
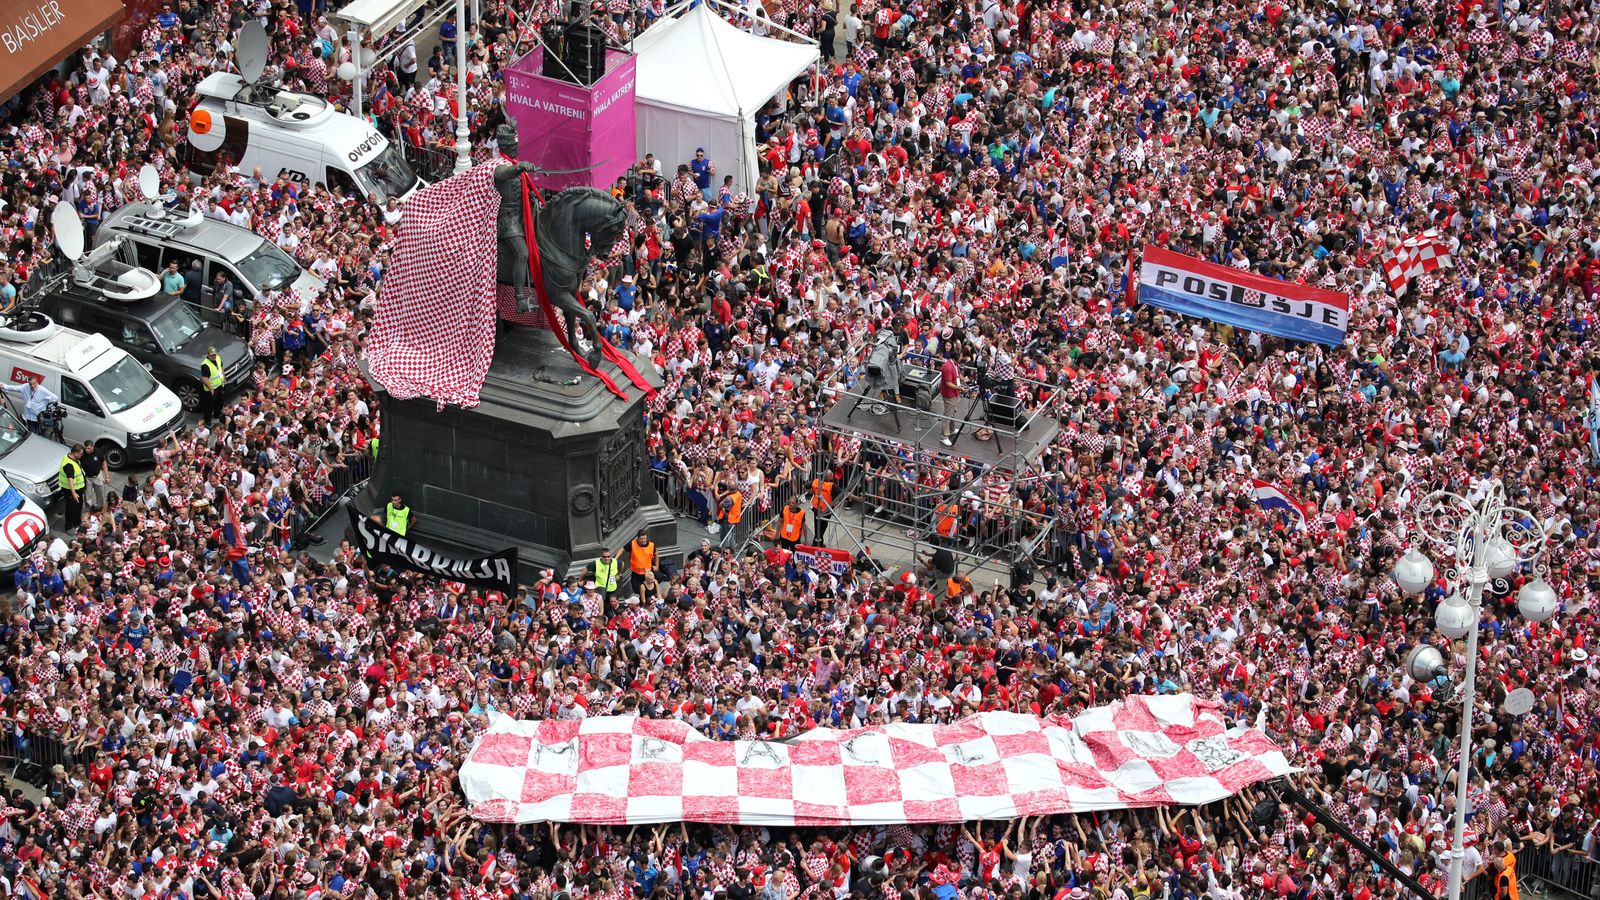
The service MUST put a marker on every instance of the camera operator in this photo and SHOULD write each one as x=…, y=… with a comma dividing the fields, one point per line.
x=35, y=399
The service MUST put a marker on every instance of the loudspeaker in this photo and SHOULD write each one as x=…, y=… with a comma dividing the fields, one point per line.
x=1004, y=411
x=584, y=52
x=917, y=386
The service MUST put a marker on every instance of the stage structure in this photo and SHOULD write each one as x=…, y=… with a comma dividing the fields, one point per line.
x=580, y=134
x=894, y=464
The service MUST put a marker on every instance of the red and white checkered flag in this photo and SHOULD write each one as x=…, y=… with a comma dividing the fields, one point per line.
x=1416, y=255
x=1145, y=751
x=434, y=334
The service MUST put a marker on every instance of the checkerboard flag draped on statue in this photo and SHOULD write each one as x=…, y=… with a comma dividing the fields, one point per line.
x=1195, y=287
x=620, y=770
x=1416, y=255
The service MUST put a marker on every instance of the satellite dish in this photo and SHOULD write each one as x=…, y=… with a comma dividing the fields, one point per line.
x=1519, y=702
x=250, y=51
x=149, y=182
x=69, y=230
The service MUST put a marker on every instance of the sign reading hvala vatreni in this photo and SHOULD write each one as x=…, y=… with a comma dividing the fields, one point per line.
x=382, y=545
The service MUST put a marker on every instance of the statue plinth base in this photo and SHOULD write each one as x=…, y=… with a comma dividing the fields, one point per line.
x=556, y=469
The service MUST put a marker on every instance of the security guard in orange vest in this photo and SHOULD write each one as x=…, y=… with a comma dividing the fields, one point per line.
x=641, y=559
x=1505, y=881
x=947, y=513
x=730, y=512
x=791, y=524
x=821, y=507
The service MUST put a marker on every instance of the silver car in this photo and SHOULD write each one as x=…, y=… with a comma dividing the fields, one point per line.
x=30, y=462
x=253, y=264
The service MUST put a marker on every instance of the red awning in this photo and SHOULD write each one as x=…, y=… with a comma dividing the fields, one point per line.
x=37, y=34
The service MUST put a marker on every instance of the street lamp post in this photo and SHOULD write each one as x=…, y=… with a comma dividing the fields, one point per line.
x=1490, y=539
x=463, y=143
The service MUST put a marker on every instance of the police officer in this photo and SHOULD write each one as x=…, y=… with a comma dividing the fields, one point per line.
x=606, y=570
x=72, y=482
x=210, y=385
x=397, y=515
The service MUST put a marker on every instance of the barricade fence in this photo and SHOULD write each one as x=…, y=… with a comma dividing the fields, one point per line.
x=1577, y=874
x=30, y=755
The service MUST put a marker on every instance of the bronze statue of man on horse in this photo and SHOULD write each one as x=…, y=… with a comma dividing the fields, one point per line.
x=565, y=228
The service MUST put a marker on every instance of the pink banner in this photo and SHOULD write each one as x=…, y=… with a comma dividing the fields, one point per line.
x=562, y=125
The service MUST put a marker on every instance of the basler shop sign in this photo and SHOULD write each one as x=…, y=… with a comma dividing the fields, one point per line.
x=381, y=545
x=37, y=34
x=29, y=24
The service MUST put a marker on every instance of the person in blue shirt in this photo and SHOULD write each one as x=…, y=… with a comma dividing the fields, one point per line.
x=167, y=18
x=702, y=169
x=710, y=223
x=627, y=293
x=35, y=399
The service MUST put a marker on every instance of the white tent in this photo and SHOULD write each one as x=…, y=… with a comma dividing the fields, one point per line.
x=701, y=82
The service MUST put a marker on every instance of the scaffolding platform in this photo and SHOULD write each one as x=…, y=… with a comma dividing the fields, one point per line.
x=921, y=430
x=905, y=478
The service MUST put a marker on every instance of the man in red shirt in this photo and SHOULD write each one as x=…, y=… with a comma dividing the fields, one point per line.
x=949, y=392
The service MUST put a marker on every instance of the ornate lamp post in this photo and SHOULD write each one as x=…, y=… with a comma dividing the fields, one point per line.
x=1479, y=542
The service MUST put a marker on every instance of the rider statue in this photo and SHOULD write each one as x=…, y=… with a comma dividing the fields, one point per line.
x=513, y=257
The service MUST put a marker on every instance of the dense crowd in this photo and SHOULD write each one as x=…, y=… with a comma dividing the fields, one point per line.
x=975, y=176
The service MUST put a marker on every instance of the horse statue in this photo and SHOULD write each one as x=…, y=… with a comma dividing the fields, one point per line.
x=561, y=225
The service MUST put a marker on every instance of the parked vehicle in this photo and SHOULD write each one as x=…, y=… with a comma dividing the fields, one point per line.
x=110, y=398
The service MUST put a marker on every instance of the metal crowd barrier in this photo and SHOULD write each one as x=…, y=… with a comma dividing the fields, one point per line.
x=430, y=163
x=1573, y=873
x=31, y=756
x=347, y=480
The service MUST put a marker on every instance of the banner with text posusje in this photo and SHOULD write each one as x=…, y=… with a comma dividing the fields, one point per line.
x=1195, y=287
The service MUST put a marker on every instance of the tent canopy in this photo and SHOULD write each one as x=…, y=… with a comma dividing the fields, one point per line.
x=700, y=62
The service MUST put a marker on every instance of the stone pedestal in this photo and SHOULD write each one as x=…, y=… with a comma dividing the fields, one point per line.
x=556, y=470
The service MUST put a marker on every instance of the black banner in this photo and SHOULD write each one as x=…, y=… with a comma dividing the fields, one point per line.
x=382, y=545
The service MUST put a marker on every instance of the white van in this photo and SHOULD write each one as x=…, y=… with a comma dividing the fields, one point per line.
x=290, y=133
x=109, y=397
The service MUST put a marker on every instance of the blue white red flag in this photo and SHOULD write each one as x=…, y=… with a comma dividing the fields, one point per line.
x=1195, y=287
x=1271, y=497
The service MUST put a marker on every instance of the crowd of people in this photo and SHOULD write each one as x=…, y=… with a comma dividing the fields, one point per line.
x=247, y=722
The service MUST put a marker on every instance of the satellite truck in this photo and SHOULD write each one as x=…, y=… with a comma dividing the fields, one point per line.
x=242, y=120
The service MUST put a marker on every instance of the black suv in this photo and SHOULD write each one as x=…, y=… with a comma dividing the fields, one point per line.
x=164, y=333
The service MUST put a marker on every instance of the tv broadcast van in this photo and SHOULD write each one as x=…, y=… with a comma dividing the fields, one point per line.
x=289, y=133
x=110, y=398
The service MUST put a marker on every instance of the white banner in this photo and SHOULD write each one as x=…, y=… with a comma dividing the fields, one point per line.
x=1146, y=751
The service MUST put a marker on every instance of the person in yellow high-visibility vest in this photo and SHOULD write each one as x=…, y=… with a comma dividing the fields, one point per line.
x=606, y=570
x=72, y=482
x=791, y=524
x=397, y=516
x=211, y=382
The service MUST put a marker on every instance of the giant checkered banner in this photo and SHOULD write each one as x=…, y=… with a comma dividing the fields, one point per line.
x=1146, y=751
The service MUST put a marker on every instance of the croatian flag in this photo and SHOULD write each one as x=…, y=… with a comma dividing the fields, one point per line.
x=1271, y=497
